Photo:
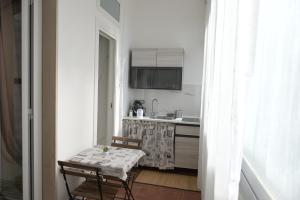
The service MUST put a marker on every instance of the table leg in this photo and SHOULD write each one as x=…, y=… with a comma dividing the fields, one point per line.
x=127, y=190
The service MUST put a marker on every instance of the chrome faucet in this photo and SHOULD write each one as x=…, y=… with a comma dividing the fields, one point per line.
x=152, y=113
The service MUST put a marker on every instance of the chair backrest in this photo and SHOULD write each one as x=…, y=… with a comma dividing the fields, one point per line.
x=78, y=170
x=126, y=142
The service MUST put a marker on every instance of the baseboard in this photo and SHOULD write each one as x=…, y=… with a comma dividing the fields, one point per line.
x=245, y=191
x=251, y=187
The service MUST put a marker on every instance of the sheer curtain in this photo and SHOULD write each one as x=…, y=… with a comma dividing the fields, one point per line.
x=222, y=141
x=251, y=95
x=272, y=128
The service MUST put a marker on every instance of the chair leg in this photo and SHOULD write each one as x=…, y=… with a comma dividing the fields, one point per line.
x=126, y=194
x=134, y=176
x=66, y=183
x=128, y=191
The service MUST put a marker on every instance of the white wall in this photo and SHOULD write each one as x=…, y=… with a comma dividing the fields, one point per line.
x=126, y=92
x=75, y=54
x=155, y=23
x=167, y=24
x=77, y=27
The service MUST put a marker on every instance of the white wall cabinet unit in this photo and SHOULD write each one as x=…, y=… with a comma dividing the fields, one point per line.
x=143, y=58
x=157, y=57
x=170, y=57
x=187, y=146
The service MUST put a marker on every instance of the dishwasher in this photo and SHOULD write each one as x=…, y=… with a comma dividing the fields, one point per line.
x=187, y=146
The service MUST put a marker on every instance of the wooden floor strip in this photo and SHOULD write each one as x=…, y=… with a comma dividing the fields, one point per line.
x=167, y=179
x=144, y=191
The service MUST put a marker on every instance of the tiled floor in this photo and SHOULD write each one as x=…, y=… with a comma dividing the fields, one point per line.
x=152, y=192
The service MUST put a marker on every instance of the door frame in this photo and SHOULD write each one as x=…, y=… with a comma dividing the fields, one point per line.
x=104, y=27
x=36, y=62
x=32, y=89
x=48, y=190
x=111, y=90
x=26, y=155
x=110, y=85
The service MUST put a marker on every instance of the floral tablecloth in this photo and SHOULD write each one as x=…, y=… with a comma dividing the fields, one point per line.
x=115, y=162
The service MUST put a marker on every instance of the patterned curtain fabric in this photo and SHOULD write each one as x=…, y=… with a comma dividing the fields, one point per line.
x=165, y=145
x=158, y=141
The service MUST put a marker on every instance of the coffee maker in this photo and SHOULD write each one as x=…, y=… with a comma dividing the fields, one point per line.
x=137, y=104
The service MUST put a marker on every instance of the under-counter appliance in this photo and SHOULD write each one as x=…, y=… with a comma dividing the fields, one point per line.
x=187, y=146
x=156, y=68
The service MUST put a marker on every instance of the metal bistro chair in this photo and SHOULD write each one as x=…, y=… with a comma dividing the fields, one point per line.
x=125, y=142
x=93, y=187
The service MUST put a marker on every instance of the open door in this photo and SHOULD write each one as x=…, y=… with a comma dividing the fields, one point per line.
x=106, y=89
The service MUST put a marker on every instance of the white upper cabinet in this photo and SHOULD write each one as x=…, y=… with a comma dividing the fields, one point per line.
x=157, y=57
x=143, y=58
x=170, y=57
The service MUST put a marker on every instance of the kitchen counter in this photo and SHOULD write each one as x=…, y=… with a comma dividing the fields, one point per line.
x=168, y=143
x=174, y=121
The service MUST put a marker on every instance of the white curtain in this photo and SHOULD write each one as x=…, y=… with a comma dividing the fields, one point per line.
x=222, y=141
x=251, y=89
x=272, y=128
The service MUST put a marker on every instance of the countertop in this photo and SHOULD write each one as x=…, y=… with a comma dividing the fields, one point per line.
x=174, y=121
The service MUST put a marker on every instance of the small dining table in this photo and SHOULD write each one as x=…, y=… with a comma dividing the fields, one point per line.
x=113, y=161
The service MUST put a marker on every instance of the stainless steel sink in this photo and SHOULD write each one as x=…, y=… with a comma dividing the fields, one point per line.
x=162, y=117
x=191, y=119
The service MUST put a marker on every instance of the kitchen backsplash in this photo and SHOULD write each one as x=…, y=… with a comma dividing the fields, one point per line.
x=188, y=100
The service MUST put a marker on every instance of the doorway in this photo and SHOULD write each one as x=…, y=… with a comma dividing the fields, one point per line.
x=106, y=88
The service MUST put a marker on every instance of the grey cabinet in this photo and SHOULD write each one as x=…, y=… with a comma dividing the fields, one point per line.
x=156, y=78
x=143, y=58
x=141, y=78
x=170, y=57
x=167, y=78
x=147, y=57
x=186, y=152
x=187, y=147
x=156, y=68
